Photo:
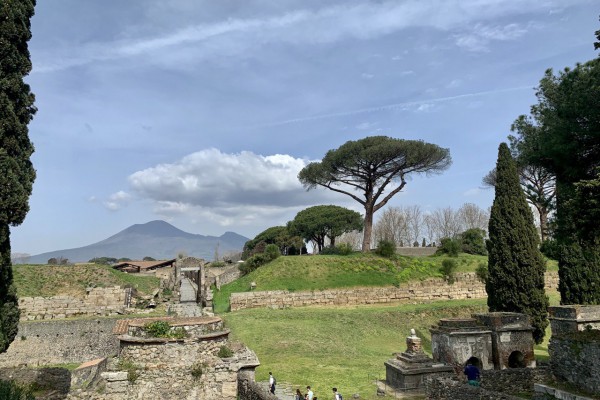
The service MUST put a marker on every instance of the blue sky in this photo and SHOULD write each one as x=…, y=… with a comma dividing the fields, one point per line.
x=202, y=113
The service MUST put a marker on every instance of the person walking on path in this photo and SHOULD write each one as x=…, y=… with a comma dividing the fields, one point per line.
x=309, y=393
x=272, y=383
x=298, y=395
x=336, y=395
x=472, y=373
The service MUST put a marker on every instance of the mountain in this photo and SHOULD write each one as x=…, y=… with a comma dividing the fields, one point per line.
x=157, y=239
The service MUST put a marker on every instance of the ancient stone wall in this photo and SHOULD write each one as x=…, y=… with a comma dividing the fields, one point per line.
x=248, y=389
x=55, y=380
x=61, y=341
x=416, y=251
x=574, y=358
x=466, y=286
x=98, y=301
x=223, y=275
x=447, y=388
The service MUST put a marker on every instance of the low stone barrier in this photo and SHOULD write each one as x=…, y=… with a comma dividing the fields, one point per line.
x=98, y=301
x=60, y=342
x=54, y=380
x=452, y=389
x=466, y=286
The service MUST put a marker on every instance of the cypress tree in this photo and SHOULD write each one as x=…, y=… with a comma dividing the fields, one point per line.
x=516, y=266
x=16, y=171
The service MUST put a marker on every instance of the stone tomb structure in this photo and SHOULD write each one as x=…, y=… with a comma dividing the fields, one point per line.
x=497, y=340
x=490, y=341
x=406, y=371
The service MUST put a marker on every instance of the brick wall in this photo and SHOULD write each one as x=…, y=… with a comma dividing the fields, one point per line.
x=98, y=301
x=467, y=286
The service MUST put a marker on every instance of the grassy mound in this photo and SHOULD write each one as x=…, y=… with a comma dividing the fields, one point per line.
x=53, y=280
x=295, y=273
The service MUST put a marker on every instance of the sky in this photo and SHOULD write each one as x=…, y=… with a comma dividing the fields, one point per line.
x=201, y=113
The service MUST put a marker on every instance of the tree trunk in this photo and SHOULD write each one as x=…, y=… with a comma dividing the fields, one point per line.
x=543, y=224
x=368, y=229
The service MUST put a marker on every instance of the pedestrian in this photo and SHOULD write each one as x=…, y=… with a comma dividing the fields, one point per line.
x=272, y=382
x=309, y=393
x=337, y=395
x=472, y=373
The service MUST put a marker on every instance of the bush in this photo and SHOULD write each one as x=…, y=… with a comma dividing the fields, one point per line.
x=450, y=247
x=272, y=251
x=9, y=390
x=197, y=370
x=131, y=368
x=158, y=329
x=482, y=272
x=386, y=248
x=225, y=352
x=550, y=249
x=447, y=269
x=253, y=263
x=473, y=242
x=343, y=249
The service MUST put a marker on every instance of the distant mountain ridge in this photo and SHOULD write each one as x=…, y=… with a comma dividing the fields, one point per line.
x=157, y=239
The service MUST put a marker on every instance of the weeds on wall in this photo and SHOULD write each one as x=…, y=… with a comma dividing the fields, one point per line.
x=10, y=390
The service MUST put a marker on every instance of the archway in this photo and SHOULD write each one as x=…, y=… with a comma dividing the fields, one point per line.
x=476, y=362
x=516, y=360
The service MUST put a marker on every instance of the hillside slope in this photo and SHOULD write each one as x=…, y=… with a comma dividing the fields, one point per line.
x=157, y=239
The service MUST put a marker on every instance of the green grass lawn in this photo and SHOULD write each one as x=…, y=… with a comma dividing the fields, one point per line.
x=52, y=280
x=342, y=347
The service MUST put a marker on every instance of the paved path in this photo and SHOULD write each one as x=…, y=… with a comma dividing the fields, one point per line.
x=187, y=292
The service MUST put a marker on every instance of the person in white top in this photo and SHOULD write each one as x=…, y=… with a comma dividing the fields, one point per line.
x=271, y=383
x=309, y=393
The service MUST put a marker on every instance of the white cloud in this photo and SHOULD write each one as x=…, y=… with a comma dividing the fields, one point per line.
x=117, y=200
x=479, y=38
x=223, y=187
x=364, y=20
x=365, y=75
x=472, y=192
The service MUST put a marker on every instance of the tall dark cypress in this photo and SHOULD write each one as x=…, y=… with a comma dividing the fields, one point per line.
x=16, y=171
x=516, y=266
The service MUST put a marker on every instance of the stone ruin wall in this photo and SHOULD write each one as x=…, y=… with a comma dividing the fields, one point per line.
x=98, y=301
x=467, y=286
x=495, y=384
x=61, y=342
x=248, y=389
x=575, y=346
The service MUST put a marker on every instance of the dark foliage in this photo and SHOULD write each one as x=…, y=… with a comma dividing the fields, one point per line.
x=16, y=171
x=386, y=248
x=449, y=247
x=448, y=269
x=516, y=267
x=472, y=241
x=9, y=390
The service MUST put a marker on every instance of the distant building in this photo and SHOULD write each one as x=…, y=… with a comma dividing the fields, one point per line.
x=143, y=266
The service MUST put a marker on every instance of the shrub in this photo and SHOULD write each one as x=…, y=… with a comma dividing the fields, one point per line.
x=272, y=251
x=482, y=272
x=473, y=241
x=158, y=329
x=549, y=248
x=448, y=246
x=343, y=249
x=447, y=269
x=253, y=263
x=10, y=390
x=225, y=352
x=131, y=368
x=197, y=370
x=386, y=248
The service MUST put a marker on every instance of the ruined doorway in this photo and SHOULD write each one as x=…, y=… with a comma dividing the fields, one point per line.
x=516, y=360
x=476, y=362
